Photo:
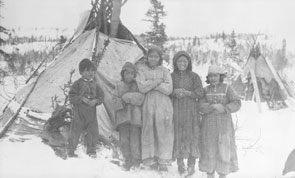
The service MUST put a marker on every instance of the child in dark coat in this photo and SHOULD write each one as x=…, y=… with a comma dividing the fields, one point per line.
x=85, y=95
x=127, y=100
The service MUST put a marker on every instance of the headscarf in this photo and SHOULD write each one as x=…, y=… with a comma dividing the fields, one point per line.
x=178, y=55
x=130, y=66
x=127, y=66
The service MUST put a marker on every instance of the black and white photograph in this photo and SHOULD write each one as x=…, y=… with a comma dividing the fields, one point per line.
x=147, y=89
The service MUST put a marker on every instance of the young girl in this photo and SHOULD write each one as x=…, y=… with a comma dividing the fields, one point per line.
x=187, y=89
x=218, y=149
x=128, y=103
x=155, y=82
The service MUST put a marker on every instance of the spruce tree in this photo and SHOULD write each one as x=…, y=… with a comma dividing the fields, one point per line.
x=157, y=35
x=223, y=36
x=234, y=53
x=284, y=46
x=281, y=61
x=3, y=54
x=195, y=41
x=3, y=31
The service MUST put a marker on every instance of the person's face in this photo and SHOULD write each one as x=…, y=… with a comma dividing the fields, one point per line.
x=153, y=59
x=214, y=78
x=88, y=74
x=129, y=75
x=182, y=63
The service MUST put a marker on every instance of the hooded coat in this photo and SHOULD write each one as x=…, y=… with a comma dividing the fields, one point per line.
x=186, y=113
x=127, y=103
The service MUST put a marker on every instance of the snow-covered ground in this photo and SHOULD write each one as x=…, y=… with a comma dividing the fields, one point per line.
x=264, y=141
x=49, y=33
x=26, y=47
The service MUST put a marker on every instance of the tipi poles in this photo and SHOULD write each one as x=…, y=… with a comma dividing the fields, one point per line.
x=115, y=18
x=104, y=16
x=256, y=91
x=6, y=125
x=98, y=25
x=136, y=41
x=42, y=62
x=276, y=77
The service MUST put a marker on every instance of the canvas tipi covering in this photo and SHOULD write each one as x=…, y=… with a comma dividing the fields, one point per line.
x=265, y=81
x=263, y=69
x=38, y=94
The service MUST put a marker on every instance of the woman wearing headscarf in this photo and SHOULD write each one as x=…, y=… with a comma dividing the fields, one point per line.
x=218, y=148
x=187, y=89
x=155, y=82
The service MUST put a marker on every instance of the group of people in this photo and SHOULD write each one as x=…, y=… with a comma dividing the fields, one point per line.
x=163, y=116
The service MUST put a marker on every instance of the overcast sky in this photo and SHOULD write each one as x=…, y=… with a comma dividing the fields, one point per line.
x=184, y=17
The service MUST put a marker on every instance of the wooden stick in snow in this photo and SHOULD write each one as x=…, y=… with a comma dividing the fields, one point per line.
x=256, y=90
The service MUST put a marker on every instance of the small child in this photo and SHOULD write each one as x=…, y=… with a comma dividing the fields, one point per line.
x=85, y=95
x=127, y=101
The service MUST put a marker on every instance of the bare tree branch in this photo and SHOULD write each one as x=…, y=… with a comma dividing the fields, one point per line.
x=251, y=146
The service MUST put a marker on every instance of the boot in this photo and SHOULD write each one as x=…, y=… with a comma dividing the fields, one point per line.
x=72, y=154
x=136, y=163
x=191, y=165
x=190, y=170
x=181, y=166
x=222, y=175
x=181, y=169
x=128, y=164
x=210, y=175
x=92, y=155
x=163, y=168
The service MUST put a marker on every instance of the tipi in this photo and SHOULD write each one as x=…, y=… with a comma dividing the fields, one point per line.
x=264, y=81
x=90, y=40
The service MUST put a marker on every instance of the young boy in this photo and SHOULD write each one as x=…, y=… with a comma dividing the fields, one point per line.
x=127, y=101
x=85, y=95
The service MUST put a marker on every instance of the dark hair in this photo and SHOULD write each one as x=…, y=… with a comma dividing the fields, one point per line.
x=158, y=51
x=221, y=79
x=189, y=67
x=122, y=74
x=86, y=65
